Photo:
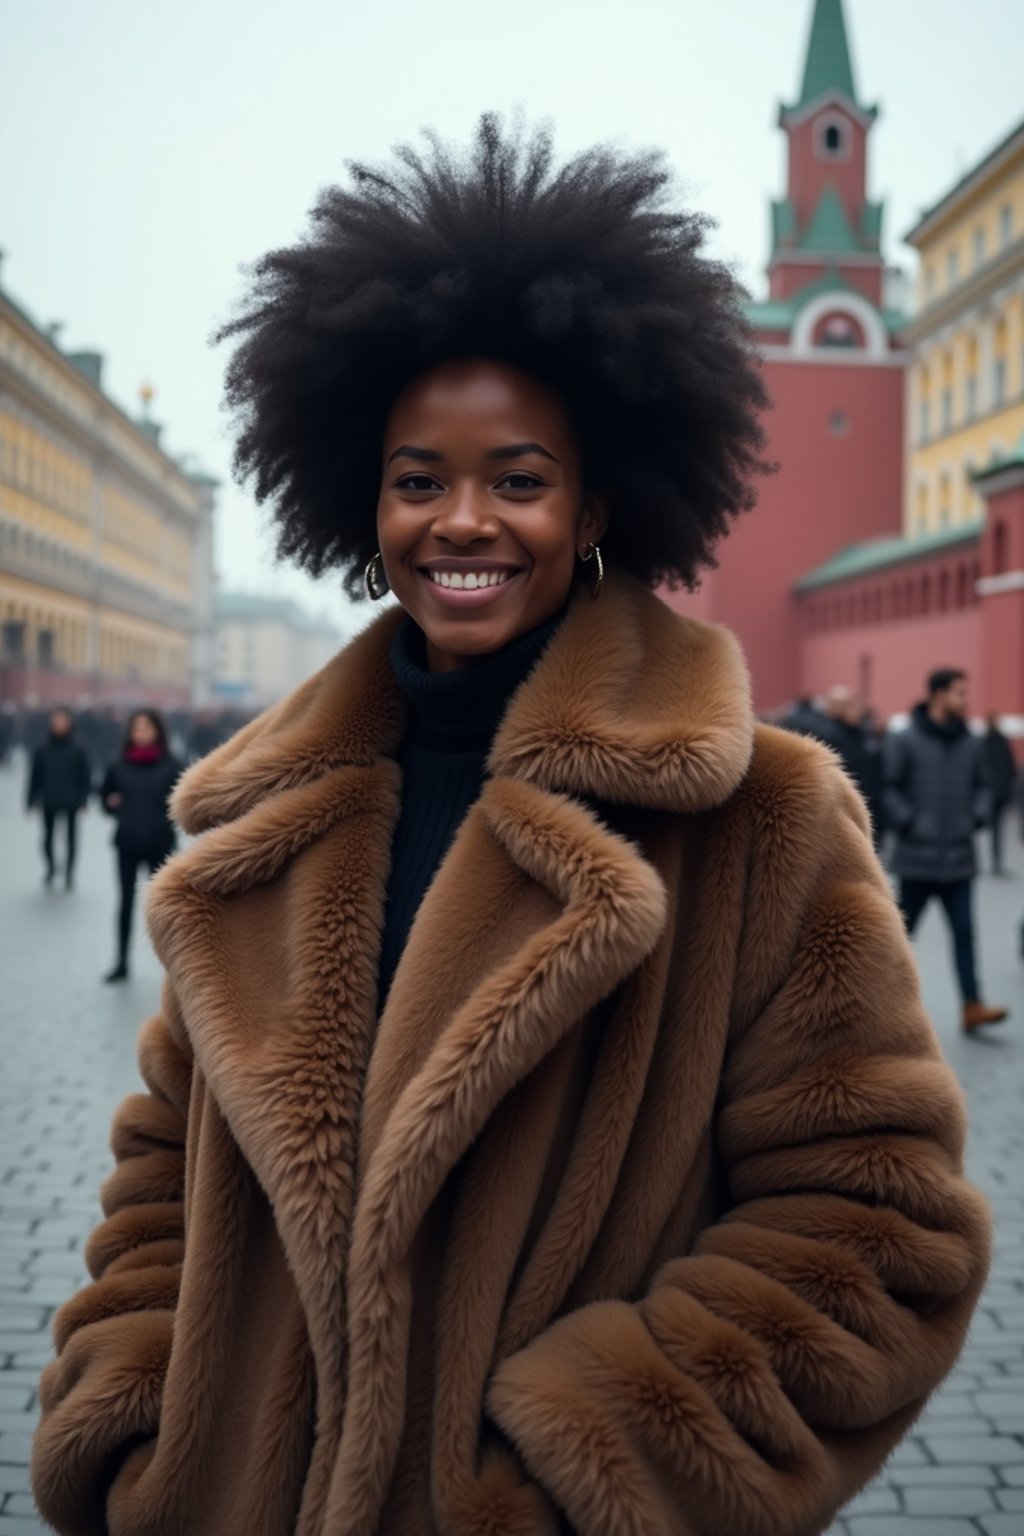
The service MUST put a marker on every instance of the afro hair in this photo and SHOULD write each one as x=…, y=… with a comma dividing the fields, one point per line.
x=584, y=276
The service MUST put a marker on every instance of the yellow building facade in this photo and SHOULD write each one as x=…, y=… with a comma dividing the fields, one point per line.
x=106, y=574
x=965, y=378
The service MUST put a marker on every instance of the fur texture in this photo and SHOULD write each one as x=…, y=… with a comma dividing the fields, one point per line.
x=655, y=1047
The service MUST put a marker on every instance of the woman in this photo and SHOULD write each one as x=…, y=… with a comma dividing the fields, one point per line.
x=544, y=1132
x=136, y=790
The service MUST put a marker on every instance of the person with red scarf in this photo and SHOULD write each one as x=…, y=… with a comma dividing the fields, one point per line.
x=135, y=790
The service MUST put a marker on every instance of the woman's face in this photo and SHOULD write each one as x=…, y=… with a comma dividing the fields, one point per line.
x=142, y=732
x=481, y=513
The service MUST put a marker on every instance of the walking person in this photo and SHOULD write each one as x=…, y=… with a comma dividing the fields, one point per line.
x=136, y=790
x=59, y=783
x=1001, y=768
x=938, y=796
x=568, y=1149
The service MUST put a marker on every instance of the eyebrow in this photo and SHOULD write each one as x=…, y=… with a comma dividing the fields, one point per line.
x=407, y=451
x=429, y=456
x=520, y=450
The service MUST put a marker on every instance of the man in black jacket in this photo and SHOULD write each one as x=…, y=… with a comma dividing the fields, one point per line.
x=937, y=795
x=58, y=785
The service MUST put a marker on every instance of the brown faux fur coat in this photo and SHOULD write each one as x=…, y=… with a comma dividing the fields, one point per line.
x=655, y=1065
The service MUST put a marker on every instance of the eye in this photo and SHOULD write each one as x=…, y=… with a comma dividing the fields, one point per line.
x=519, y=480
x=417, y=482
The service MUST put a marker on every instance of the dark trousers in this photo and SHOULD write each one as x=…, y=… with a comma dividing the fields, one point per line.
x=49, y=827
x=129, y=862
x=956, y=898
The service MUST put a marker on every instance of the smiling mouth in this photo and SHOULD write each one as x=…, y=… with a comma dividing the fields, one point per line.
x=469, y=581
x=469, y=586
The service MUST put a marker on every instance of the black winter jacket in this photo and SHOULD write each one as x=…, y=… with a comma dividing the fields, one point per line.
x=1000, y=765
x=60, y=778
x=144, y=825
x=937, y=795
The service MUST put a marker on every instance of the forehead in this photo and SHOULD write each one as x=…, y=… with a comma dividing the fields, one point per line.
x=477, y=397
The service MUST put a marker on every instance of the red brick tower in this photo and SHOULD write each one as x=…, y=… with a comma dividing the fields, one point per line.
x=833, y=367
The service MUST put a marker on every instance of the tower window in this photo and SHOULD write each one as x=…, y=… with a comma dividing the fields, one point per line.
x=832, y=138
x=1006, y=223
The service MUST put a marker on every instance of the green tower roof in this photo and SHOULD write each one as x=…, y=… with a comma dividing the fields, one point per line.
x=828, y=66
x=829, y=229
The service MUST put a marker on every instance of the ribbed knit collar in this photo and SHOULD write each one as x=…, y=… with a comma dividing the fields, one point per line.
x=460, y=711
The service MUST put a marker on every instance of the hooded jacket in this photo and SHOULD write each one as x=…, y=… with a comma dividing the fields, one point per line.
x=937, y=795
x=653, y=1063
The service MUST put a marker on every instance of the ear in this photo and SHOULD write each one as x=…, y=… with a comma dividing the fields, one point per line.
x=594, y=515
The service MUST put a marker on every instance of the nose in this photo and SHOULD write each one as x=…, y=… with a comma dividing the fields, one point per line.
x=464, y=516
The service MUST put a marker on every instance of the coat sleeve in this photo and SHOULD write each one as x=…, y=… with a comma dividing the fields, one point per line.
x=765, y=1375
x=101, y=1396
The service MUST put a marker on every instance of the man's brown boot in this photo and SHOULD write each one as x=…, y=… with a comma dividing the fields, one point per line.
x=976, y=1014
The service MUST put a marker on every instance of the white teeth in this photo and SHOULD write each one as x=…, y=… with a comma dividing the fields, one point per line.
x=469, y=581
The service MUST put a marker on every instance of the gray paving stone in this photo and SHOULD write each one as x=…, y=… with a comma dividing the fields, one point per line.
x=975, y=1450
x=909, y=1525
x=948, y=1501
x=1010, y=1498
x=12, y=1526
x=1002, y=1525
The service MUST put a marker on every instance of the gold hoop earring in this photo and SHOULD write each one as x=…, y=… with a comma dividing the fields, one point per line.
x=374, y=579
x=593, y=552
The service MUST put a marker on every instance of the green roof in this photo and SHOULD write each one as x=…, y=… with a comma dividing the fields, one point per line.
x=828, y=66
x=829, y=229
x=783, y=223
x=779, y=314
x=874, y=554
x=871, y=224
x=1001, y=461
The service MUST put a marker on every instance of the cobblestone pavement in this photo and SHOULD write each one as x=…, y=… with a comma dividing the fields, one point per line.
x=67, y=1054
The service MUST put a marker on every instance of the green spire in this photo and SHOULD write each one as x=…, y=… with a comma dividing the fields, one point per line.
x=829, y=229
x=828, y=66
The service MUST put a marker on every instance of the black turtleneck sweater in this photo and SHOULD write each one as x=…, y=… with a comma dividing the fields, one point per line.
x=453, y=717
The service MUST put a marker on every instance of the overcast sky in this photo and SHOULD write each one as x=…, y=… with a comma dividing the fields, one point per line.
x=147, y=152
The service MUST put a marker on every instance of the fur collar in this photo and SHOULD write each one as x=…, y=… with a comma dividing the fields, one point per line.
x=631, y=703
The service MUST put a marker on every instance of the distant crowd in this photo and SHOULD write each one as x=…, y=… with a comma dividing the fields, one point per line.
x=191, y=734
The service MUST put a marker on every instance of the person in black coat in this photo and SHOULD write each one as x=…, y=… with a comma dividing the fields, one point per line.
x=937, y=796
x=1002, y=772
x=135, y=790
x=59, y=782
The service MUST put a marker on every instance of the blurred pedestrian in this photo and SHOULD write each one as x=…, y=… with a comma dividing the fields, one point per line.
x=59, y=782
x=1002, y=772
x=804, y=719
x=937, y=796
x=135, y=790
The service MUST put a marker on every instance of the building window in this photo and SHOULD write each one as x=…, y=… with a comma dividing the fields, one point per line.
x=952, y=266
x=929, y=281
x=999, y=382
x=943, y=591
x=961, y=586
x=838, y=423
x=979, y=246
x=972, y=396
x=926, y=594
x=947, y=409
x=999, y=548
x=1006, y=224
x=925, y=423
